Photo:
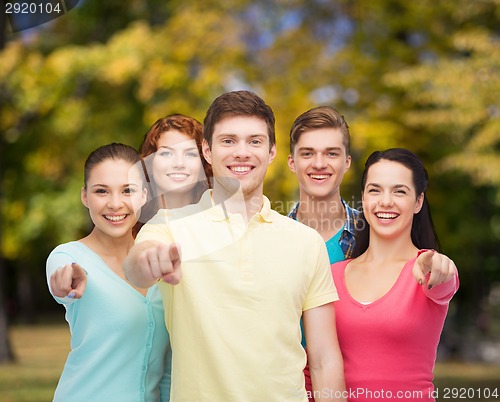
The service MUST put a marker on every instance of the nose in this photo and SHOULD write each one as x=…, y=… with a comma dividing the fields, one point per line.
x=385, y=199
x=115, y=201
x=319, y=161
x=178, y=160
x=241, y=151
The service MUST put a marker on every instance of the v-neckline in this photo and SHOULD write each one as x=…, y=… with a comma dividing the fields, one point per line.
x=366, y=305
x=112, y=273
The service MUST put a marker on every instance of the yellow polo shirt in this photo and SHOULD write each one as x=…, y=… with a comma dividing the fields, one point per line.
x=234, y=320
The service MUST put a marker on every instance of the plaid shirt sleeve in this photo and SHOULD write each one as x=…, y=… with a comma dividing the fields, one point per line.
x=347, y=238
x=293, y=213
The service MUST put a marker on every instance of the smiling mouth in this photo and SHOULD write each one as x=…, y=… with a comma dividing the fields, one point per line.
x=178, y=176
x=115, y=218
x=320, y=176
x=386, y=215
x=240, y=169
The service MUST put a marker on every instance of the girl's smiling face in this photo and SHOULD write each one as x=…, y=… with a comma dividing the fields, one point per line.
x=390, y=199
x=176, y=165
x=114, y=194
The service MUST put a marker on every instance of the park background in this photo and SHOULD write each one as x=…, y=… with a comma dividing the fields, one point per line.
x=418, y=74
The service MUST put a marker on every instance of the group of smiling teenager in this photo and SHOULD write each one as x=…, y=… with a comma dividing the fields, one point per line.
x=206, y=302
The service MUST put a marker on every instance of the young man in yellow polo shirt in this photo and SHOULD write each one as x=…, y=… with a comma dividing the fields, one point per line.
x=248, y=275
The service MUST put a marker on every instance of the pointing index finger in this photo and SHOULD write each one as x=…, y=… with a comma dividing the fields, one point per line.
x=175, y=253
x=422, y=265
x=425, y=259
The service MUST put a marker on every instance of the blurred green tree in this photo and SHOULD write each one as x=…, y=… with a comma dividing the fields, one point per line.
x=6, y=354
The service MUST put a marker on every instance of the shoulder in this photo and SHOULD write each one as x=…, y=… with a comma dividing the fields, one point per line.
x=296, y=231
x=338, y=268
x=167, y=215
x=71, y=248
x=186, y=211
x=338, y=273
x=68, y=253
x=292, y=223
x=159, y=217
x=341, y=264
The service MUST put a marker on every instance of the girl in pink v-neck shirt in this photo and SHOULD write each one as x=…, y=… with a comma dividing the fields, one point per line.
x=389, y=345
x=393, y=296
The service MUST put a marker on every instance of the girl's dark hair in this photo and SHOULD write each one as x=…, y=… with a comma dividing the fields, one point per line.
x=423, y=234
x=115, y=151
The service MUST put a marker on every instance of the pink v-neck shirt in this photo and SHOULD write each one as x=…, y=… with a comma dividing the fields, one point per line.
x=389, y=346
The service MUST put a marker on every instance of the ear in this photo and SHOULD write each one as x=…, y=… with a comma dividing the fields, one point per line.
x=272, y=154
x=420, y=203
x=348, y=160
x=144, y=196
x=207, y=153
x=291, y=163
x=83, y=196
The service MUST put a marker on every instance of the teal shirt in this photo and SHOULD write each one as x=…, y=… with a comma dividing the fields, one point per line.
x=340, y=246
x=346, y=237
x=120, y=349
x=335, y=252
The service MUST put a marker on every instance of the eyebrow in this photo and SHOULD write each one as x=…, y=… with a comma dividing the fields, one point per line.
x=395, y=186
x=325, y=149
x=168, y=147
x=236, y=135
x=123, y=185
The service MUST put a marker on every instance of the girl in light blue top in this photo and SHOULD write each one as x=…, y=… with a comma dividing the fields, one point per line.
x=120, y=348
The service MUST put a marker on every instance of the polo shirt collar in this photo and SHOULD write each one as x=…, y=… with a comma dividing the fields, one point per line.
x=218, y=212
x=266, y=212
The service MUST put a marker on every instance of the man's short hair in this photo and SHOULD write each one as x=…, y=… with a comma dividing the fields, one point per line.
x=319, y=117
x=238, y=103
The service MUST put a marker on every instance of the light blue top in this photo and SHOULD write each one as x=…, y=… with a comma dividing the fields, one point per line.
x=120, y=349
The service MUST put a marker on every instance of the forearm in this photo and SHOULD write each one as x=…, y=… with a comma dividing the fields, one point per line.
x=328, y=380
x=133, y=267
x=323, y=353
x=443, y=292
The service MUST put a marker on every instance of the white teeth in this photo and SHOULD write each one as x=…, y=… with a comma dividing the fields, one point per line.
x=320, y=176
x=115, y=218
x=241, y=169
x=386, y=215
x=178, y=176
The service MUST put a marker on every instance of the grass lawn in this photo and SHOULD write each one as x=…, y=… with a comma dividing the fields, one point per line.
x=41, y=352
x=40, y=355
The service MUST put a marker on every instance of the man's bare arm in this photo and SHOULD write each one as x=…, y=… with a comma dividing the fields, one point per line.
x=323, y=354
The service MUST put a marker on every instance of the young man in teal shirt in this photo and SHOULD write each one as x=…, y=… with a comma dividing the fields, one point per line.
x=319, y=156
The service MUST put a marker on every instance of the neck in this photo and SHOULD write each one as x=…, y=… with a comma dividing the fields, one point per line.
x=326, y=214
x=105, y=245
x=382, y=249
x=173, y=199
x=236, y=202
